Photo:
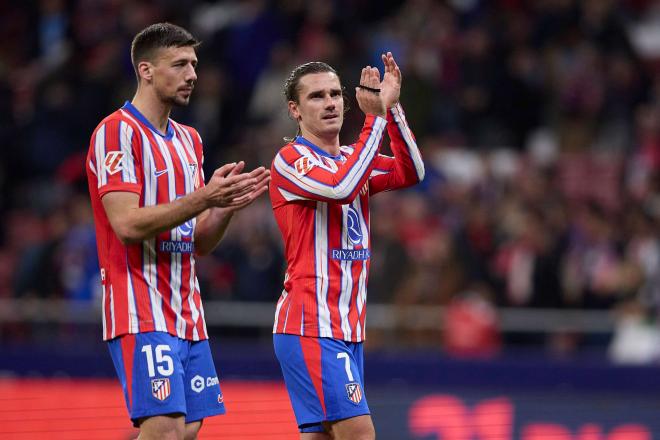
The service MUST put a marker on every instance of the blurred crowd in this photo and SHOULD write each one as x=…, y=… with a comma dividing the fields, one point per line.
x=538, y=120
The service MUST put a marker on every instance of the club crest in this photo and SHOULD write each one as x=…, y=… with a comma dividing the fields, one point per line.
x=354, y=392
x=304, y=165
x=160, y=388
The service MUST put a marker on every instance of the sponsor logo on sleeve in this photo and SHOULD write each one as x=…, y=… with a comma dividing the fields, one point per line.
x=160, y=388
x=113, y=161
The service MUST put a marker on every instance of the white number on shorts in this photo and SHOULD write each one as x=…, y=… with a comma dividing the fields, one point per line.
x=347, y=365
x=163, y=370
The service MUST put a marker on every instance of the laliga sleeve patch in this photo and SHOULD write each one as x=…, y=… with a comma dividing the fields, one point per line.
x=304, y=165
x=113, y=161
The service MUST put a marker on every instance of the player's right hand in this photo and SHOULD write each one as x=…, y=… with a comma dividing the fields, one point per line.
x=370, y=102
x=228, y=184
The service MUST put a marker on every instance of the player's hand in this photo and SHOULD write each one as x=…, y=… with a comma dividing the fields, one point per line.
x=228, y=184
x=370, y=101
x=390, y=87
x=262, y=177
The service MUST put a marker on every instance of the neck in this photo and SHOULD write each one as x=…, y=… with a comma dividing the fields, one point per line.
x=156, y=111
x=328, y=144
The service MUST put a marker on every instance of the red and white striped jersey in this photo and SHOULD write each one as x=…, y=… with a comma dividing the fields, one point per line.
x=151, y=285
x=321, y=204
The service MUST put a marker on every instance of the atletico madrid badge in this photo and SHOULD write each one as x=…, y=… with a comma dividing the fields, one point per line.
x=160, y=388
x=354, y=392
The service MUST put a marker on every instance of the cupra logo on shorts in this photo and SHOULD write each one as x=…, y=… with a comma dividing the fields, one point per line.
x=197, y=384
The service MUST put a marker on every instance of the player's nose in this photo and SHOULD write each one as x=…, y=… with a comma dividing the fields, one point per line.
x=329, y=102
x=191, y=75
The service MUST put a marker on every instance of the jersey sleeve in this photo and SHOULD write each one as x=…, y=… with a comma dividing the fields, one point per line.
x=298, y=174
x=113, y=158
x=406, y=168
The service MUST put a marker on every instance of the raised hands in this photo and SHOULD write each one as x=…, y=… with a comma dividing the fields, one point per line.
x=375, y=96
x=368, y=92
x=232, y=189
x=390, y=87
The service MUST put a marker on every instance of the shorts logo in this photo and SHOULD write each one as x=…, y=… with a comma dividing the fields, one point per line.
x=197, y=384
x=304, y=165
x=354, y=392
x=160, y=388
x=221, y=398
x=113, y=161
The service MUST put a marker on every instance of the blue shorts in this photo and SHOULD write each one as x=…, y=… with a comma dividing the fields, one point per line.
x=324, y=378
x=162, y=374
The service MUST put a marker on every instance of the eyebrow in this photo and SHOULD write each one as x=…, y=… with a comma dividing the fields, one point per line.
x=320, y=91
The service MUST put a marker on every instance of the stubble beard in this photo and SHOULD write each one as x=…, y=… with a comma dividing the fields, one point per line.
x=174, y=100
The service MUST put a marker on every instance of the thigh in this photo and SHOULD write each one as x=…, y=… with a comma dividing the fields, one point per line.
x=202, y=387
x=151, y=373
x=323, y=379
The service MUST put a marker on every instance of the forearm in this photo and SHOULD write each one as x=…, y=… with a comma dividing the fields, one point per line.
x=210, y=228
x=408, y=160
x=133, y=223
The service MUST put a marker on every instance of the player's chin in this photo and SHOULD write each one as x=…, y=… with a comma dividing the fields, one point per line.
x=333, y=123
x=181, y=100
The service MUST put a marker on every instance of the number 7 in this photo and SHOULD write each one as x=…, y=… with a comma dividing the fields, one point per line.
x=347, y=365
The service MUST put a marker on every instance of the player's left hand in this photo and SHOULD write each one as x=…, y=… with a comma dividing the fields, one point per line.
x=262, y=177
x=390, y=87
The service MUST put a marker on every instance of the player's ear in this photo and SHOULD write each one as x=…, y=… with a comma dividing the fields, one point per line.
x=293, y=110
x=145, y=70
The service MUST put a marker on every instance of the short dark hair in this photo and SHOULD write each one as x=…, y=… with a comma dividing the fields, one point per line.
x=158, y=36
x=291, y=92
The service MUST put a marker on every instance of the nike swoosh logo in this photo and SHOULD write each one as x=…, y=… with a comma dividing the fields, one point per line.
x=159, y=173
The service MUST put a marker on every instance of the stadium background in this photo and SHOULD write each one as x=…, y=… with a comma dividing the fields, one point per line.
x=513, y=295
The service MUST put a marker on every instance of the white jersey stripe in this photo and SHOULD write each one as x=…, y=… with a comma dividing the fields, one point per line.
x=125, y=145
x=99, y=150
x=402, y=123
x=321, y=256
x=103, y=320
x=288, y=196
x=278, y=308
x=201, y=308
x=113, y=330
x=191, y=299
x=133, y=326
